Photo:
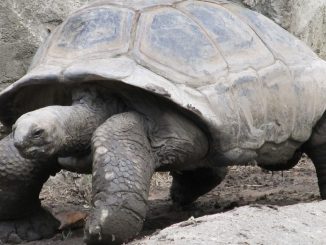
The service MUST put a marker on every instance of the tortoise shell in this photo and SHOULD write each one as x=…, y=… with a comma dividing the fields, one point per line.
x=258, y=89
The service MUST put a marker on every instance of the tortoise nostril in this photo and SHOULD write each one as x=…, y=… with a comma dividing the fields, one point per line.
x=18, y=145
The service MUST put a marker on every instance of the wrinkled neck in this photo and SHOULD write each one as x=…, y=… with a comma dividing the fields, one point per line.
x=81, y=119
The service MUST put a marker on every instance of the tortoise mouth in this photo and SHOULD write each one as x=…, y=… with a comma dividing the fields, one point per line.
x=36, y=152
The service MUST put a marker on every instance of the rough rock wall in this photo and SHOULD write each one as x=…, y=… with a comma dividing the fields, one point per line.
x=23, y=26
x=304, y=18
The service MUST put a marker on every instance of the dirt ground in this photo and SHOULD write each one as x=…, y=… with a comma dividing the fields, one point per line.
x=243, y=186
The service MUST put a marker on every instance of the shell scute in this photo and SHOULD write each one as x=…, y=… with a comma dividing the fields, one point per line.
x=280, y=42
x=173, y=45
x=102, y=28
x=236, y=40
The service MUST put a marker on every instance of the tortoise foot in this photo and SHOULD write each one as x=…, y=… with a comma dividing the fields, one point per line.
x=39, y=225
x=187, y=186
x=181, y=195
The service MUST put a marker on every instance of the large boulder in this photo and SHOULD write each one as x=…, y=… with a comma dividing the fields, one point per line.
x=304, y=18
x=295, y=224
x=23, y=26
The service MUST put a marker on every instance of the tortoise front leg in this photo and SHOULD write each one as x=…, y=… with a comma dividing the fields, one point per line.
x=21, y=180
x=123, y=164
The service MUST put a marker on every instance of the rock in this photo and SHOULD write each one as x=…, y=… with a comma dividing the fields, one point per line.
x=296, y=224
x=304, y=18
x=24, y=25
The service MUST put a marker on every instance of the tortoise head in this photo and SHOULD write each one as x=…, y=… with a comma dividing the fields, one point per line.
x=38, y=134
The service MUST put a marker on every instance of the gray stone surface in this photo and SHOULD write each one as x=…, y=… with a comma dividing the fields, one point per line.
x=268, y=225
x=23, y=26
x=304, y=18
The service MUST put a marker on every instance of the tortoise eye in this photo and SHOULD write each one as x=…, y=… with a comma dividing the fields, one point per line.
x=37, y=133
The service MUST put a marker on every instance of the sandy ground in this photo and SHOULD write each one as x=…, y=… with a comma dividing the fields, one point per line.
x=244, y=186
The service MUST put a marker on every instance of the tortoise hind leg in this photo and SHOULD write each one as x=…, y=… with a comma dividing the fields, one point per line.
x=318, y=157
x=187, y=186
x=316, y=150
x=21, y=180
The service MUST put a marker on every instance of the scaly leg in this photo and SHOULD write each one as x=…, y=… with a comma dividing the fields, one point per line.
x=316, y=150
x=123, y=165
x=318, y=157
x=127, y=149
x=21, y=180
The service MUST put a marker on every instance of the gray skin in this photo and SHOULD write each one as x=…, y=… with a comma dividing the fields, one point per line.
x=21, y=180
x=316, y=150
x=126, y=150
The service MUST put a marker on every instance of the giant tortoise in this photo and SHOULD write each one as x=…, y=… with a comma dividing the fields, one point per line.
x=183, y=86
